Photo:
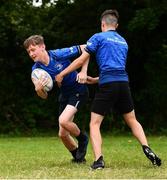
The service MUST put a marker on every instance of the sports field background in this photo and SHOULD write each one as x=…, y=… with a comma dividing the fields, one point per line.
x=46, y=157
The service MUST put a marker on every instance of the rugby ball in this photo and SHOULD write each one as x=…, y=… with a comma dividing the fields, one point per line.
x=40, y=73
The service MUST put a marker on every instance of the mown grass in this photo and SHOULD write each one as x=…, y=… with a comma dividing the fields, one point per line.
x=46, y=158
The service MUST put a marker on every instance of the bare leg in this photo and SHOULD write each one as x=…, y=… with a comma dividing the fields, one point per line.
x=140, y=135
x=66, y=120
x=67, y=139
x=95, y=135
x=136, y=127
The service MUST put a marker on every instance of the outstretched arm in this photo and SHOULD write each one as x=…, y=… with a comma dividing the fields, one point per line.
x=73, y=66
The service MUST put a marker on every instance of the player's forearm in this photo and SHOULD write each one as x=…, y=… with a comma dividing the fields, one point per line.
x=96, y=79
x=85, y=67
x=43, y=94
x=74, y=65
x=91, y=80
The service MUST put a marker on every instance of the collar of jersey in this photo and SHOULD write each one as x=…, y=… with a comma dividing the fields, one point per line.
x=112, y=30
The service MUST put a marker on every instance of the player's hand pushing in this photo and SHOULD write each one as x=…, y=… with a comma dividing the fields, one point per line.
x=59, y=79
x=81, y=77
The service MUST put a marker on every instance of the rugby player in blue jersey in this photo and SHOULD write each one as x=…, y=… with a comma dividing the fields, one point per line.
x=73, y=94
x=110, y=50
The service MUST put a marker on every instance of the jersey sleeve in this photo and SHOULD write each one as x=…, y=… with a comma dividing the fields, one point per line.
x=92, y=44
x=67, y=53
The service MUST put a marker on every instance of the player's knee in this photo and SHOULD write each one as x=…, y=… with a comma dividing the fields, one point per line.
x=62, y=134
x=59, y=134
x=92, y=124
x=62, y=122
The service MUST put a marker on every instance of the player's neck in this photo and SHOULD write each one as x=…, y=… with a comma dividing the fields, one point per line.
x=110, y=29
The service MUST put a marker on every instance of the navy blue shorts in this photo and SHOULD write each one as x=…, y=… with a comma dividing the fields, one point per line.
x=115, y=96
x=77, y=100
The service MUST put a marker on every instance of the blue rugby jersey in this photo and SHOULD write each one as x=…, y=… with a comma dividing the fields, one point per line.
x=110, y=50
x=59, y=60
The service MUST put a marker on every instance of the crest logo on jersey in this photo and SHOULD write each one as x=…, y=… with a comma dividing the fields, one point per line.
x=58, y=66
x=71, y=49
x=88, y=43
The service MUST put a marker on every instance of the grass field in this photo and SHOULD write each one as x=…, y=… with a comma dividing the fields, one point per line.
x=46, y=158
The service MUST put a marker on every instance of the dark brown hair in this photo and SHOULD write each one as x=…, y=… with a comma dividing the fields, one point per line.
x=111, y=12
x=110, y=17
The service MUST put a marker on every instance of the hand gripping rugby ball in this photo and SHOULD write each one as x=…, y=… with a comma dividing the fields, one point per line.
x=40, y=73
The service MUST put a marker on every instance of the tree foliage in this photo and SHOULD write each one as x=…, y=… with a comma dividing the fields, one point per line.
x=142, y=23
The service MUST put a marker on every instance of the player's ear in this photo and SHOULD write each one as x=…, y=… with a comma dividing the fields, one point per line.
x=102, y=25
x=117, y=26
x=42, y=46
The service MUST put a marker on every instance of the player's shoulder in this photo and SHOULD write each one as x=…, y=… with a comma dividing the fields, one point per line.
x=97, y=36
x=122, y=39
x=52, y=52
